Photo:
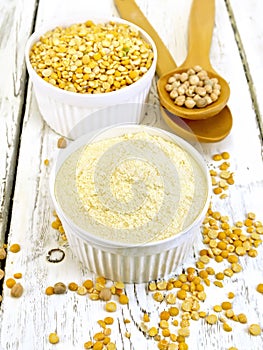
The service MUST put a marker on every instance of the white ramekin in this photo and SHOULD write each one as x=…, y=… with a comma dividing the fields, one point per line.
x=63, y=110
x=126, y=262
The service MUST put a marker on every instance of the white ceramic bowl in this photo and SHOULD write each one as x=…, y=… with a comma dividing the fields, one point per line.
x=63, y=110
x=134, y=262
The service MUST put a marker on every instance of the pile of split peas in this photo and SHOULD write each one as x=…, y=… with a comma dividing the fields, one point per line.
x=90, y=58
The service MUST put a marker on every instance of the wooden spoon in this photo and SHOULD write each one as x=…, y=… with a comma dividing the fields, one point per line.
x=210, y=130
x=213, y=129
x=201, y=24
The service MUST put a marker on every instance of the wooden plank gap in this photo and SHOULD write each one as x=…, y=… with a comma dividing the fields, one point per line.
x=35, y=16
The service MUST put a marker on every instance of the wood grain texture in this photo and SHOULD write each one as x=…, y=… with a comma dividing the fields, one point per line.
x=26, y=322
x=14, y=30
x=251, y=43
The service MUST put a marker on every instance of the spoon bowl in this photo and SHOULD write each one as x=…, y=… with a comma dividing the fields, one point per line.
x=200, y=30
x=193, y=113
x=208, y=130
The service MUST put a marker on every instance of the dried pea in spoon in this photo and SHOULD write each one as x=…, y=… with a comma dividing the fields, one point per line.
x=201, y=23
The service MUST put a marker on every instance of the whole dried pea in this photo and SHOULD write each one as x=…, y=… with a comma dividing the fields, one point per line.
x=201, y=102
x=62, y=142
x=180, y=100
x=190, y=103
x=105, y=294
x=2, y=273
x=2, y=254
x=17, y=290
x=193, y=88
x=60, y=288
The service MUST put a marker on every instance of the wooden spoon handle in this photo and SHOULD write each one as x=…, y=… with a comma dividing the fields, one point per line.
x=200, y=31
x=129, y=10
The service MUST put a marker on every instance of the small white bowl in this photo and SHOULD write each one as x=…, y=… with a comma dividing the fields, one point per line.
x=63, y=110
x=128, y=262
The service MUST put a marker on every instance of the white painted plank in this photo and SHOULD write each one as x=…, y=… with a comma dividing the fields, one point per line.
x=74, y=317
x=15, y=28
x=250, y=30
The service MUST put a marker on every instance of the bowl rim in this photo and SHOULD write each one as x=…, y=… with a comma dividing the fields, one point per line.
x=88, y=237
x=34, y=37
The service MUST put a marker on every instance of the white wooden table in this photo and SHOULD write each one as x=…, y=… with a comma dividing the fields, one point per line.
x=26, y=209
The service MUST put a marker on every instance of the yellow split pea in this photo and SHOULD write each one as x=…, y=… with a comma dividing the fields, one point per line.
x=53, y=338
x=91, y=58
x=14, y=248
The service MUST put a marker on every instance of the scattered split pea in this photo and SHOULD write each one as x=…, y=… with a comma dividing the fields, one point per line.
x=104, y=57
x=53, y=338
x=254, y=329
x=260, y=288
x=14, y=248
x=110, y=306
